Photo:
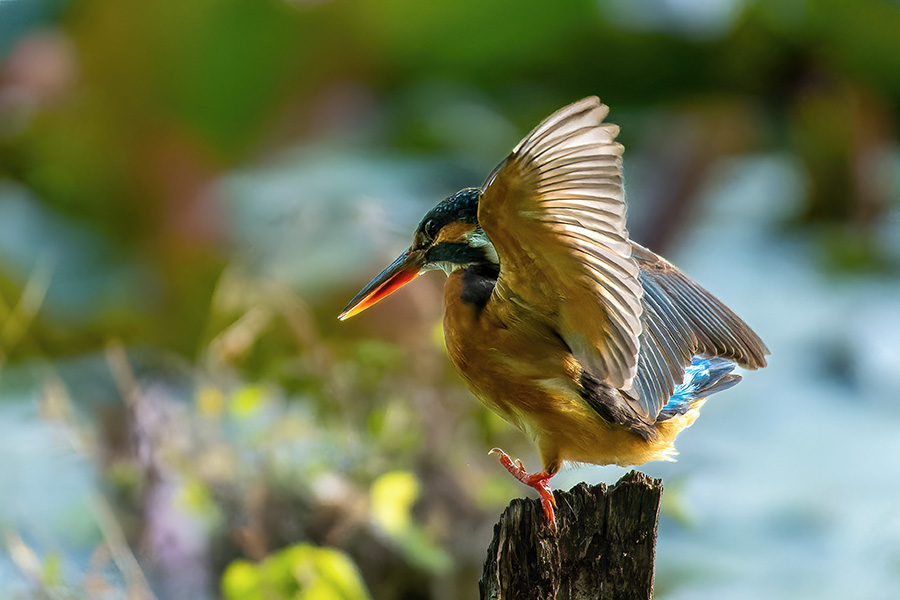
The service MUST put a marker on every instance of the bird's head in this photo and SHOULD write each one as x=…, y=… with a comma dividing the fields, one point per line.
x=448, y=238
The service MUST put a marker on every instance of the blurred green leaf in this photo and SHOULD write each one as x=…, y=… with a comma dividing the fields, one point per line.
x=241, y=581
x=300, y=572
x=674, y=503
x=194, y=497
x=393, y=495
x=51, y=570
x=246, y=402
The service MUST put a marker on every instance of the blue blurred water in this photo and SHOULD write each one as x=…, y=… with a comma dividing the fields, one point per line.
x=47, y=485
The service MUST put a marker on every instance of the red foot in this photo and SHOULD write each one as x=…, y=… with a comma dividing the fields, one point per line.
x=539, y=481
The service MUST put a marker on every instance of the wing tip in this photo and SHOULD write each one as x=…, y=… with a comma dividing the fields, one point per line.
x=573, y=111
x=585, y=105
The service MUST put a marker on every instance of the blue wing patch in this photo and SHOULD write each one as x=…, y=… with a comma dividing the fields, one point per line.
x=703, y=377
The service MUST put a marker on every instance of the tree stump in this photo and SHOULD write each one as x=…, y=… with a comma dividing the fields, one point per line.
x=604, y=548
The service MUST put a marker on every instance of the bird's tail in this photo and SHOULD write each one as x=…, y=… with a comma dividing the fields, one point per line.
x=704, y=377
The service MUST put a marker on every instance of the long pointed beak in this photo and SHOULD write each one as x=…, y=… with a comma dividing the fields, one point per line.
x=407, y=267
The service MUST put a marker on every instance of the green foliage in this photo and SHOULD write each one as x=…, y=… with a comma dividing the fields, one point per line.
x=299, y=572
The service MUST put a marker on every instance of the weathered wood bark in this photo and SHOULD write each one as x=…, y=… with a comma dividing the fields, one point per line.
x=604, y=548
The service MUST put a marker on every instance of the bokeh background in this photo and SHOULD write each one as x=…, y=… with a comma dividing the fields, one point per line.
x=191, y=191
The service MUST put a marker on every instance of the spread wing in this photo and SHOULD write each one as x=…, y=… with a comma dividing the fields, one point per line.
x=555, y=212
x=681, y=320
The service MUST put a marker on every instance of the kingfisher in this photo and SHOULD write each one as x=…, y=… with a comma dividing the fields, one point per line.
x=597, y=349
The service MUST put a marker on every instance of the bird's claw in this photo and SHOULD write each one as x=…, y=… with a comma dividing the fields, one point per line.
x=539, y=481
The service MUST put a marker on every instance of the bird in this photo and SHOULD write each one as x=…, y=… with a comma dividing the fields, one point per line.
x=596, y=348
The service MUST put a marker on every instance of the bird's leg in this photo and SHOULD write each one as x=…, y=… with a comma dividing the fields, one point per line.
x=539, y=481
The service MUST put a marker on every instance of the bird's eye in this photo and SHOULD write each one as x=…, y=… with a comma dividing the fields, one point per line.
x=431, y=228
